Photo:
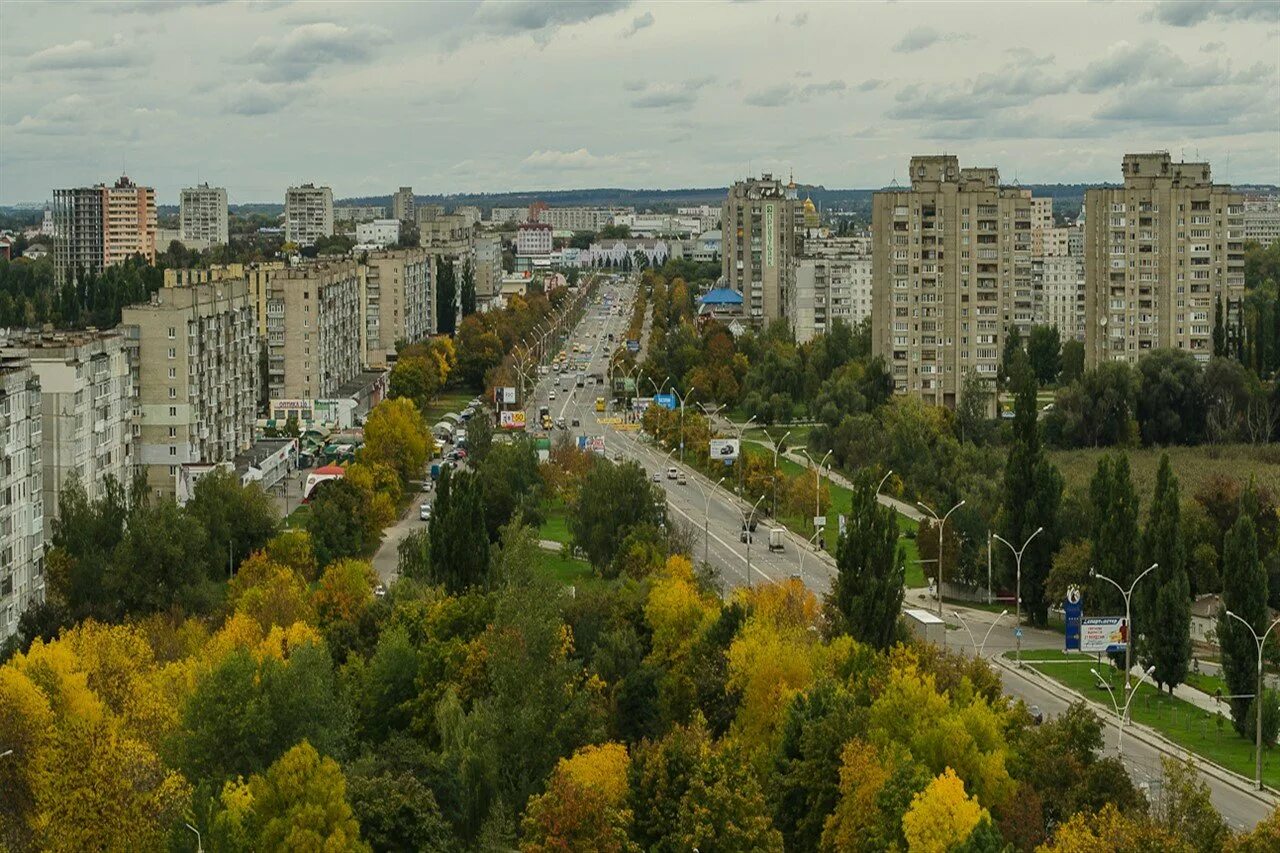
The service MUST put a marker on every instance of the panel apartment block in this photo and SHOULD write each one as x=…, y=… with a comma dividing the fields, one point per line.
x=202, y=214
x=313, y=329
x=100, y=226
x=21, y=492
x=1161, y=253
x=762, y=226
x=397, y=302
x=951, y=269
x=308, y=214
x=193, y=351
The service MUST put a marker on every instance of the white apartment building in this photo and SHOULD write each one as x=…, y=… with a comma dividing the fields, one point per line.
x=831, y=282
x=193, y=352
x=707, y=215
x=396, y=302
x=533, y=238
x=359, y=213
x=86, y=390
x=486, y=264
x=202, y=215
x=308, y=214
x=379, y=232
x=21, y=493
x=1262, y=219
x=402, y=205
x=313, y=329
x=1058, y=284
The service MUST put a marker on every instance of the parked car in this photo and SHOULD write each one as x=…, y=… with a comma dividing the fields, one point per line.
x=682, y=480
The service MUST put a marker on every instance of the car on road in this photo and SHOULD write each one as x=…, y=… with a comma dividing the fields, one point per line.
x=657, y=478
x=576, y=422
x=424, y=512
x=380, y=590
x=559, y=423
x=682, y=480
x=673, y=473
x=617, y=457
x=551, y=395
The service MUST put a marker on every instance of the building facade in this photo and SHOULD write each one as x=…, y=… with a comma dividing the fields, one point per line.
x=1162, y=253
x=86, y=391
x=379, y=232
x=951, y=269
x=202, y=215
x=397, y=301
x=257, y=275
x=1262, y=219
x=533, y=238
x=100, y=226
x=313, y=329
x=762, y=222
x=353, y=214
x=486, y=263
x=21, y=493
x=402, y=206
x=308, y=214
x=832, y=282
x=193, y=354
x=1058, y=284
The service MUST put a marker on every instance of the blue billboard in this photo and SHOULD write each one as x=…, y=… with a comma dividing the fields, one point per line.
x=666, y=400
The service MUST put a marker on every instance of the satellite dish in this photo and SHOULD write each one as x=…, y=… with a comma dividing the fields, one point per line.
x=1102, y=321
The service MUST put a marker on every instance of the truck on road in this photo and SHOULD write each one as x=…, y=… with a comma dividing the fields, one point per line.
x=776, y=538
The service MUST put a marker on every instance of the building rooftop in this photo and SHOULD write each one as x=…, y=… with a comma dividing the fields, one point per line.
x=722, y=296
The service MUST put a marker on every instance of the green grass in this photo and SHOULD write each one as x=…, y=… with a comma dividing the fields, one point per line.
x=298, y=518
x=1194, y=466
x=556, y=526
x=449, y=401
x=1192, y=728
x=568, y=571
x=1209, y=684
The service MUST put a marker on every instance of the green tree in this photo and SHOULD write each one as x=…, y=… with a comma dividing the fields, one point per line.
x=867, y=593
x=1115, y=532
x=446, y=296
x=467, y=293
x=1244, y=593
x=611, y=501
x=725, y=810
x=237, y=520
x=1165, y=600
x=973, y=414
x=1219, y=329
x=339, y=523
x=1044, y=350
x=509, y=483
x=1185, y=807
x=1171, y=399
x=1008, y=355
x=458, y=546
x=1072, y=361
x=397, y=812
x=162, y=561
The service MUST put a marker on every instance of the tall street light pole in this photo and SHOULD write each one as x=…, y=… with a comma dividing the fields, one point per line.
x=941, y=524
x=747, y=519
x=773, y=475
x=1258, y=696
x=979, y=647
x=1128, y=622
x=1017, y=558
x=742, y=457
x=706, y=516
x=817, y=484
x=1122, y=714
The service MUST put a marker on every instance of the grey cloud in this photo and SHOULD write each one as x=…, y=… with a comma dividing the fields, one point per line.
x=800, y=19
x=869, y=85
x=640, y=22
x=309, y=47
x=255, y=99
x=1152, y=62
x=573, y=160
x=1014, y=85
x=1213, y=47
x=1160, y=107
x=665, y=95
x=1188, y=13
x=919, y=38
x=786, y=93
x=151, y=7
x=83, y=54
x=830, y=87
x=540, y=17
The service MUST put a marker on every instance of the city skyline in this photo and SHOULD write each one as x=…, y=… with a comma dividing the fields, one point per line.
x=486, y=97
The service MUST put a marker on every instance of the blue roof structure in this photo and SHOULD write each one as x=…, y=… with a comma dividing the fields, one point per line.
x=722, y=296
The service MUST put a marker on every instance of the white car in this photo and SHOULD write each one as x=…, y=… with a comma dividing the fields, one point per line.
x=424, y=512
x=551, y=395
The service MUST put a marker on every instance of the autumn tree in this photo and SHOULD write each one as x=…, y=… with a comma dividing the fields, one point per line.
x=583, y=806
x=724, y=809
x=867, y=593
x=942, y=816
x=395, y=435
x=344, y=591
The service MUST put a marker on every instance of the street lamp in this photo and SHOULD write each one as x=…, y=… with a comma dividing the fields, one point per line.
x=978, y=648
x=941, y=523
x=817, y=484
x=706, y=516
x=1128, y=623
x=773, y=475
x=1017, y=558
x=812, y=540
x=887, y=475
x=747, y=519
x=199, y=844
x=1258, y=697
x=742, y=457
x=1125, y=715
x=681, y=399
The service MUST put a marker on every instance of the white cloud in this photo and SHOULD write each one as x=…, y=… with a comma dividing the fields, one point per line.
x=310, y=47
x=84, y=54
x=572, y=160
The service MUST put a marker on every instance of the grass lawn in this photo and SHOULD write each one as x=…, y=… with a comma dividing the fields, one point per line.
x=1192, y=728
x=1210, y=684
x=556, y=526
x=1194, y=466
x=297, y=519
x=568, y=571
x=449, y=401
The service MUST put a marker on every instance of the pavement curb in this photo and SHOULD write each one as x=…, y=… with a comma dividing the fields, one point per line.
x=1269, y=796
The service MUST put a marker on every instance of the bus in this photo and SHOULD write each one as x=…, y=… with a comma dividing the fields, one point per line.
x=599, y=404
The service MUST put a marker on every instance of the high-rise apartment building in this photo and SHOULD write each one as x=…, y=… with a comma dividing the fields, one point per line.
x=1262, y=219
x=762, y=223
x=402, y=205
x=97, y=227
x=396, y=302
x=308, y=214
x=486, y=264
x=21, y=493
x=1058, y=284
x=831, y=282
x=193, y=351
x=1162, y=253
x=951, y=269
x=202, y=214
x=313, y=329
x=86, y=390
x=257, y=274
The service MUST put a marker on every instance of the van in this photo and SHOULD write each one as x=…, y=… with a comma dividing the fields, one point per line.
x=673, y=473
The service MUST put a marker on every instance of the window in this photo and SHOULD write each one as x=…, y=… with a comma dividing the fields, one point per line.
x=173, y=450
x=173, y=353
x=173, y=393
x=173, y=411
x=173, y=432
x=173, y=373
x=173, y=333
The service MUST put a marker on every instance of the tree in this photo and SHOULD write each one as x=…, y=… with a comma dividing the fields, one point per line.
x=1171, y=398
x=583, y=806
x=611, y=501
x=344, y=592
x=299, y=803
x=162, y=561
x=973, y=414
x=1012, y=346
x=1044, y=351
x=867, y=593
x=458, y=546
x=468, y=291
x=1244, y=593
x=446, y=296
x=659, y=777
x=1219, y=329
x=339, y=522
x=396, y=811
x=509, y=481
x=395, y=435
x=1165, y=601
x=942, y=816
x=1072, y=361
x=725, y=810
x=1115, y=532
x=1185, y=807
x=237, y=519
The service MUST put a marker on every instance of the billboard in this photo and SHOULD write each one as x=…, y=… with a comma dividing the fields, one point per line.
x=667, y=401
x=1103, y=634
x=633, y=346
x=724, y=448
x=511, y=420
x=509, y=395
x=591, y=444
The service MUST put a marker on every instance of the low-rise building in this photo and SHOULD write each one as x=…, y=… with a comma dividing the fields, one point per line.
x=356, y=213
x=313, y=329
x=379, y=232
x=86, y=390
x=21, y=492
x=533, y=238
x=1262, y=219
x=193, y=354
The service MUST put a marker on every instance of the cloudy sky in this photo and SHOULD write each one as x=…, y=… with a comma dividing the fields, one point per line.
x=490, y=96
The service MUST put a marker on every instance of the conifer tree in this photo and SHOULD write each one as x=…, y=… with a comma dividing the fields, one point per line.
x=1166, y=595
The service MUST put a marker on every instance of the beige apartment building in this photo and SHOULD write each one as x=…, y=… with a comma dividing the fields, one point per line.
x=100, y=226
x=831, y=282
x=951, y=269
x=402, y=205
x=762, y=223
x=202, y=215
x=257, y=275
x=313, y=329
x=86, y=390
x=308, y=214
x=396, y=302
x=1058, y=284
x=1161, y=253
x=193, y=351
x=21, y=492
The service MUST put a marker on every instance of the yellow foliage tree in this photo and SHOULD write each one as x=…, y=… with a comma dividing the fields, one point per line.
x=582, y=806
x=293, y=548
x=852, y=823
x=344, y=591
x=379, y=487
x=600, y=768
x=1110, y=831
x=26, y=722
x=941, y=816
x=269, y=593
x=395, y=435
x=676, y=611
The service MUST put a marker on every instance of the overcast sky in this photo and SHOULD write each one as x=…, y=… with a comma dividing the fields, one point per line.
x=471, y=97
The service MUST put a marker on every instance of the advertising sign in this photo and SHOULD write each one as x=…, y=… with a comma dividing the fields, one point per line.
x=1074, y=610
x=509, y=395
x=768, y=234
x=591, y=444
x=511, y=420
x=1103, y=634
x=667, y=401
x=724, y=448
x=633, y=345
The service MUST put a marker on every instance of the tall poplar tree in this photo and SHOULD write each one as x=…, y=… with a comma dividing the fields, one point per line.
x=1114, y=535
x=467, y=294
x=446, y=296
x=867, y=594
x=1166, y=595
x=1244, y=593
